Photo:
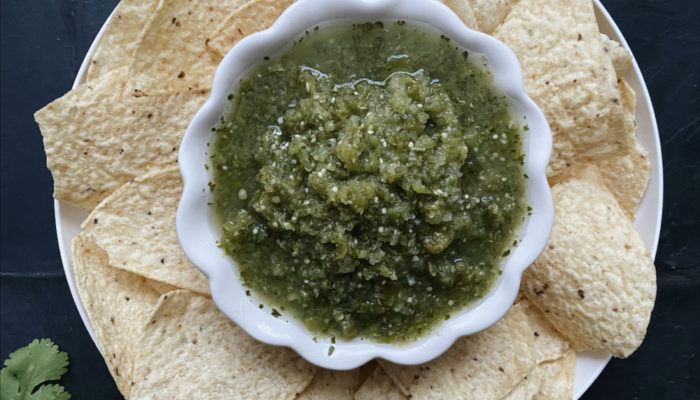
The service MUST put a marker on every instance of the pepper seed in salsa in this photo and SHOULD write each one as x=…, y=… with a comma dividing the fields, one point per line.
x=369, y=181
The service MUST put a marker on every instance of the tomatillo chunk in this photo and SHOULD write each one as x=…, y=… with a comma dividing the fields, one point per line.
x=369, y=180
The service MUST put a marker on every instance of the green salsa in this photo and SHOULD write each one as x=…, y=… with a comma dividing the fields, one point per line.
x=369, y=180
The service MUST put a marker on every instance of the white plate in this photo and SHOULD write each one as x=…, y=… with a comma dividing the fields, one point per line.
x=648, y=218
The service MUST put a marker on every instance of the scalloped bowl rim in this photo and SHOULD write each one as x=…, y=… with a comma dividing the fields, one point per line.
x=198, y=230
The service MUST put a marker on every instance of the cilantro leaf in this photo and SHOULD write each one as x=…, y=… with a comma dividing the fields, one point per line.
x=30, y=366
x=50, y=392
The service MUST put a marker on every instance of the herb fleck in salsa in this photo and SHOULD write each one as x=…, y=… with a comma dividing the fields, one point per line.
x=369, y=180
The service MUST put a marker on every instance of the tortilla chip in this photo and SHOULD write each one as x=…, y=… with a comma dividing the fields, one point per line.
x=627, y=175
x=116, y=46
x=190, y=350
x=171, y=53
x=543, y=344
x=528, y=386
x=379, y=386
x=595, y=280
x=629, y=106
x=551, y=380
x=621, y=57
x=490, y=363
x=627, y=178
x=557, y=378
x=365, y=371
x=548, y=343
x=329, y=384
x=570, y=77
x=161, y=287
x=117, y=303
x=136, y=226
x=98, y=136
x=490, y=13
x=463, y=11
x=254, y=16
x=548, y=346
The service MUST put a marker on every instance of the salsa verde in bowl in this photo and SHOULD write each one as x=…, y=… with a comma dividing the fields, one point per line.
x=374, y=183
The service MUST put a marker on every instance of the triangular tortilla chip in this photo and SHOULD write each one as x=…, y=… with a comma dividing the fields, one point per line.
x=557, y=378
x=550, y=380
x=117, y=303
x=627, y=175
x=136, y=226
x=254, y=16
x=116, y=47
x=490, y=13
x=548, y=343
x=190, y=350
x=99, y=136
x=463, y=11
x=171, y=53
x=528, y=386
x=490, y=363
x=621, y=57
x=570, y=77
x=329, y=384
x=379, y=386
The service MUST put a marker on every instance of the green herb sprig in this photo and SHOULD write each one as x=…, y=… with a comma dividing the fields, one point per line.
x=26, y=372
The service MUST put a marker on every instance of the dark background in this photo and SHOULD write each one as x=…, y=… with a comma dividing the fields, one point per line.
x=43, y=44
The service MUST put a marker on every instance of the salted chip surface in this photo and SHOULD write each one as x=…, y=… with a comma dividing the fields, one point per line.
x=136, y=226
x=252, y=17
x=464, y=12
x=98, y=136
x=190, y=350
x=490, y=13
x=621, y=57
x=629, y=107
x=548, y=343
x=557, y=378
x=171, y=53
x=549, y=380
x=595, y=280
x=627, y=175
x=117, y=303
x=258, y=15
x=116, y=47
x=329, y=384
x=528, y=386
x=570, y=77
x=161, y=287
x=489, y=363
x=379, y=386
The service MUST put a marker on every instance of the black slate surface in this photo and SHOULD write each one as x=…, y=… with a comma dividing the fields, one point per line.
x=43, y=43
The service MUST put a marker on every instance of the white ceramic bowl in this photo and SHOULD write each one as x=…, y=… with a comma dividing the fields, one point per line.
x=199, y=231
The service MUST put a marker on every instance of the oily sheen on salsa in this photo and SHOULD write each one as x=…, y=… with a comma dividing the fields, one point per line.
x=369, y=180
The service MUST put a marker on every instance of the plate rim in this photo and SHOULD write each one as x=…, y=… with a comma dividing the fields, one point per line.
x=61, y=208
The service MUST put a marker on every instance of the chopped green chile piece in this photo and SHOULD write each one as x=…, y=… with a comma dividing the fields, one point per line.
x=369, y=180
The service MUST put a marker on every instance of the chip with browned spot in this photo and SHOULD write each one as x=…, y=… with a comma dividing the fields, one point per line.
x=171, y=52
